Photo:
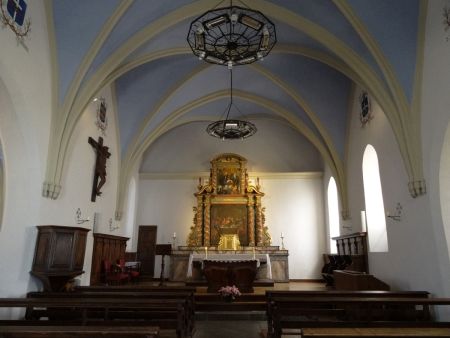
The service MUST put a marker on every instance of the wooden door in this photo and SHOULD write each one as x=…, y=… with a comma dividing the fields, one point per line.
x=146, y=249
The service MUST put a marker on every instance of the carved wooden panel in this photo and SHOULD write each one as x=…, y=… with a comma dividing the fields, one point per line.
x=59, y=255
x=107, y=247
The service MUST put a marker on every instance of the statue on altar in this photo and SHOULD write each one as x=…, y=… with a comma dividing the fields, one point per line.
x=229, y=213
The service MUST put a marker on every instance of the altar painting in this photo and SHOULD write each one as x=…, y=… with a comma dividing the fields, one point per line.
x=229, y=219
x=228, y=180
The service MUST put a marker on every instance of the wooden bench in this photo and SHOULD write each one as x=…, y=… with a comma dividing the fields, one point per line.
x=49, y=331
x=376, y=332
x=317, y=310
x=165, y=313
x=273, y=295
x=187, y=296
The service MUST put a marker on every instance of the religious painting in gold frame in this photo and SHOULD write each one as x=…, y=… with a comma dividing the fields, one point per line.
x=229, y=219
x=228, y=181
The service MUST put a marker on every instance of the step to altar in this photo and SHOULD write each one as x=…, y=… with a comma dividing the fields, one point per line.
x=231, y=315
x=245, y=307
x=256, y=283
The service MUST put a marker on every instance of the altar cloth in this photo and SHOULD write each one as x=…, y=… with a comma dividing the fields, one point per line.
x=200, y=257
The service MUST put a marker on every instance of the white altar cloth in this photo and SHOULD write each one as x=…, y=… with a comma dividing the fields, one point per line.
x=200, y=257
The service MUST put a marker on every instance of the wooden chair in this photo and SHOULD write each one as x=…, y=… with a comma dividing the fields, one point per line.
x=133, y=271
x=114, y=274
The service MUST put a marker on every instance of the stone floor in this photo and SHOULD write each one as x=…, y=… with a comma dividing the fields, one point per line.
x=229, y=329
x=248, y=325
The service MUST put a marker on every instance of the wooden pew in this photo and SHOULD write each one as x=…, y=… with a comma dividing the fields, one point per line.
x=296, y=309
x=273, y=295
x=353, y=312
x=187, y=296
x=167, y=313
x=17, y=331
x=376, y=332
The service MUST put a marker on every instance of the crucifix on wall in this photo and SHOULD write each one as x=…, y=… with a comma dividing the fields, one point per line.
x=100, y=166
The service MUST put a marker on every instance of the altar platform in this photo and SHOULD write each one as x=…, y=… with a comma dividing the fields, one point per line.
x=186, y=263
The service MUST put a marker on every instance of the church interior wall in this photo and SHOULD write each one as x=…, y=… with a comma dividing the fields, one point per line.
x=435, y=122
x=411, y=246
x=78, y=178
x=25, y=115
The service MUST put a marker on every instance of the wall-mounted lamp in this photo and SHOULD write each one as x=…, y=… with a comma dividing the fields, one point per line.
x=398, y=213
x=111, y=226
x=78, y=217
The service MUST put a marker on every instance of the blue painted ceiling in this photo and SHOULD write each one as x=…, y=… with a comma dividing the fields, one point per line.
x=182, y=78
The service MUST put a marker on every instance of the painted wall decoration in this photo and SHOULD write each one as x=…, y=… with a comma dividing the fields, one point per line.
x=365, y=112
x=13, y=15
x=102, y=120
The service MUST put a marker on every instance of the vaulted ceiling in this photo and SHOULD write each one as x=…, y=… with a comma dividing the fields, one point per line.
x=323, y=48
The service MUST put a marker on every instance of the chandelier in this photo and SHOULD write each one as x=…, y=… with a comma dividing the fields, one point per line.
x=231, y=36
x=231, y=129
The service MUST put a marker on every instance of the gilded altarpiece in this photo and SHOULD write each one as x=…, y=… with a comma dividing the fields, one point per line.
x=228, y=205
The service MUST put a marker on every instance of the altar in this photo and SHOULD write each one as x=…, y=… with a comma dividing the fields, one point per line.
x=261, y=259
x=229, y=225
x=186, y=262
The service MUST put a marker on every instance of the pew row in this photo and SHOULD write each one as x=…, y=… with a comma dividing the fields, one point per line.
x=373, y=332
x=300, y=309
x=118, y=312
x=161, y=294
x=50, y=331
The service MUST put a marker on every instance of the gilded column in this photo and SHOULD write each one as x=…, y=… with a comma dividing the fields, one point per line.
x=259, y=222
x=207, y=222
x=199, y=221
x=251, y=219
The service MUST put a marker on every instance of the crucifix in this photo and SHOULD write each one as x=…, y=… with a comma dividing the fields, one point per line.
x=100, y=166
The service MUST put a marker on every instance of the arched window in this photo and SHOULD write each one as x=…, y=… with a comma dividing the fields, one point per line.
x=333, y=214
x=373, y=196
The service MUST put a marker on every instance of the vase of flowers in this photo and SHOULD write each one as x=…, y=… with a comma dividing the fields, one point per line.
x=229, y=293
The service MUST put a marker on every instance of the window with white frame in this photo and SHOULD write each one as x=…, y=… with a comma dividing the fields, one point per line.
x=333, y=214
x=373, y=196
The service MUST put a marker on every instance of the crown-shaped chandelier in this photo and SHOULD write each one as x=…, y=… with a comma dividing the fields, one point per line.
x=231, y=129
x=231, y=36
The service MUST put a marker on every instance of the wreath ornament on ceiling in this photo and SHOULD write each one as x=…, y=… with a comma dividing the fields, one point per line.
x=13, y=15
x=365, y=113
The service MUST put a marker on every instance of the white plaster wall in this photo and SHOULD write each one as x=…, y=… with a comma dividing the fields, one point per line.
x=294, y=206
x=78, y=179
x=409, y=263
x=435, y=121
x=25, y=111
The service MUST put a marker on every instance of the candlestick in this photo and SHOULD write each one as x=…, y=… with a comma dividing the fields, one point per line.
x=254, y=255
x=282, y=242
x=174, y=240
x=206, y=252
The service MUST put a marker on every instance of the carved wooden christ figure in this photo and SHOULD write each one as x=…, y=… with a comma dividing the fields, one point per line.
x=100, y=166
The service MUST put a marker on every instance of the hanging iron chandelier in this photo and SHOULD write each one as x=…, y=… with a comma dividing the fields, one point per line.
x=231, y=129
x=231, y=36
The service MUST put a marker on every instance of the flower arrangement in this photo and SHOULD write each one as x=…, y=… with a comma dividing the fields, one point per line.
x=229, y=292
